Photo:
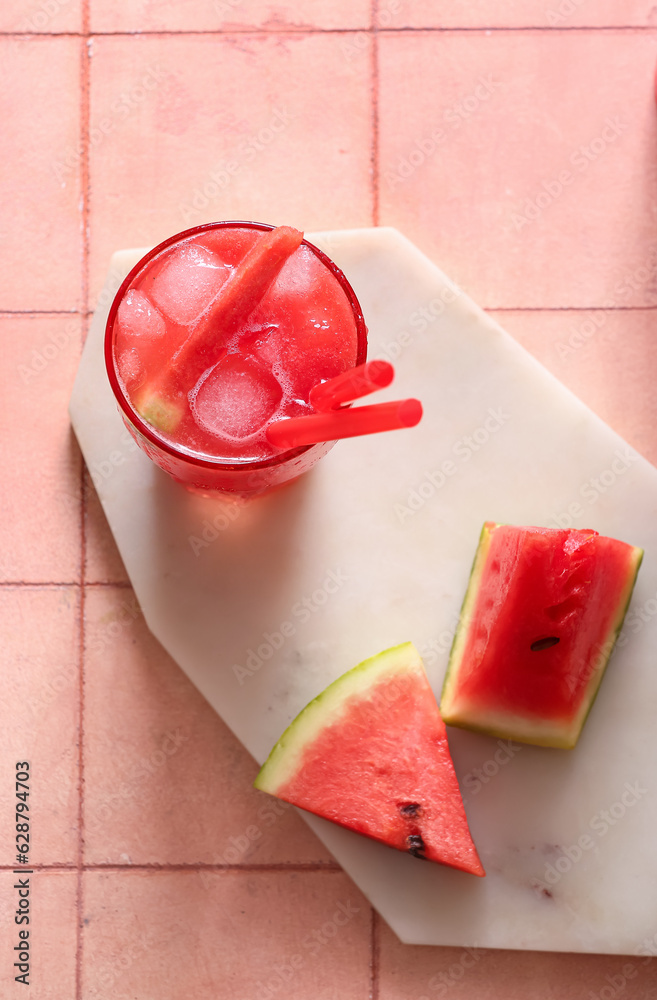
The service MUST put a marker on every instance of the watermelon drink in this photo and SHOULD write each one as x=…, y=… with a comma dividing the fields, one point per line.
x=220, y=331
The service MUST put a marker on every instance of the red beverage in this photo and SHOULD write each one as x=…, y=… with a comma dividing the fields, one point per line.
x=198, y=383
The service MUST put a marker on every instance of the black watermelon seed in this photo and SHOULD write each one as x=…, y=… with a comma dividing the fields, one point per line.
x=415, y=845
x=539, y=644
x=410, y=808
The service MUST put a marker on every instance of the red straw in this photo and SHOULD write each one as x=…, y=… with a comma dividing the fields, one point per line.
x=352, y=384
x=336, y=424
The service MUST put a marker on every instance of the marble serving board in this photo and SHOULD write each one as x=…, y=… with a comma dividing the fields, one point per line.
x=264, y=603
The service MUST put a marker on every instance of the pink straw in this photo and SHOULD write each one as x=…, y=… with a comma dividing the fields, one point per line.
x=336, y=424
x=350, y=385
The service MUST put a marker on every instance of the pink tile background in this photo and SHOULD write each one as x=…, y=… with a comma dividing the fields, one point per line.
x=159, y=870
x=605, y=357
x=411, y=973
x=533, y=154
x=169, y=155
x=41, y=660
x=40, y=173
x=233, y=15
x=165, y=780
x=223, y=935
x=40, y=488
x=102, y=562
x=516, y=13
x=42, y=16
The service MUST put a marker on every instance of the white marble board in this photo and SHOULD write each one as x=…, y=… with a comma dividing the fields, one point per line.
x=374, y=547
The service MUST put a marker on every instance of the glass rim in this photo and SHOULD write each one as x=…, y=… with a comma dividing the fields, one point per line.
x=146, y=429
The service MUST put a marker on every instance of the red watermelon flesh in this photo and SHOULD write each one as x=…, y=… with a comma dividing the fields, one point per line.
x=371, y=754
x=538, y=624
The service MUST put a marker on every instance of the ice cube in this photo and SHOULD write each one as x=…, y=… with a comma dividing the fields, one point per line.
x=140, y=337
x=237, y=398
x=130, y=368
x=299, y=274
x=188, y=280
x=138, y=317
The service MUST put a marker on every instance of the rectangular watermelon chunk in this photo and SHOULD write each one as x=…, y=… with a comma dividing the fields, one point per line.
x=371, y=754
x=162, y=401
x=538, y=624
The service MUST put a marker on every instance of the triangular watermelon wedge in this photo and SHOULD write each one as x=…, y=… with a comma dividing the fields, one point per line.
x=371, y=754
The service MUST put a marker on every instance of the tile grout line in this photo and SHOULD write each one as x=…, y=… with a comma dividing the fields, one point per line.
x=60, y=584
x=310, y=30
x=375, y=954
x=87, y=313
x=517, y=28
x=374, y=167
x=193, y=33
x=84, y=293
x=81, y=651
x=374, y=154
x=84, y=160
x=566, y=309
x=54, y=866
x=328, y=867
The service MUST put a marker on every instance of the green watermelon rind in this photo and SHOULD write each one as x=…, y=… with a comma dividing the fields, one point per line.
x=285, y=757
x=537, y=732
x=614, y=632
